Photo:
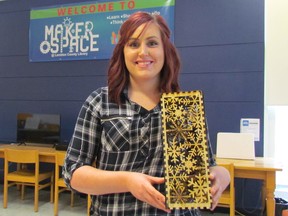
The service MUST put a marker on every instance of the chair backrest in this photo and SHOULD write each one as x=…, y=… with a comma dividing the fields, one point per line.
x=60, y=157
x=228, y=196
x=230, y=168
x=21, y=156
x=59, y=162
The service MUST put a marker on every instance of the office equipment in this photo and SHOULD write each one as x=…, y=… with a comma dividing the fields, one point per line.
x=38, y=129
x=23, y=176
x=61, y=147
x=227, y=198
x=235, y=145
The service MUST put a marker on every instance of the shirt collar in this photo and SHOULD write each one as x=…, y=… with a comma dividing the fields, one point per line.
x=137, y=107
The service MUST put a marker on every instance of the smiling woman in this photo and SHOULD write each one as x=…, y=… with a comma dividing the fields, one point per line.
x=131, y=32
x=144, y=59
x=119, y=127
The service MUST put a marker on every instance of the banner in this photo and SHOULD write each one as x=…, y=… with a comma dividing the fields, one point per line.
x=86, y=30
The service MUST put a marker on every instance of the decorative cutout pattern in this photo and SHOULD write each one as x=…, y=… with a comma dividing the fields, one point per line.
x=185, y=150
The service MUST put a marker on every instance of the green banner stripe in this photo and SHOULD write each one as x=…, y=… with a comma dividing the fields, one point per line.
x=74, y=10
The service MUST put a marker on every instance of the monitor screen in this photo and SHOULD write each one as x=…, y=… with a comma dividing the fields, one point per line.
x=38, y=128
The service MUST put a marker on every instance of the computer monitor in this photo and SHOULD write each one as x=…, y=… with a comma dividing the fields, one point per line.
x=38, y=129
x=235, y=145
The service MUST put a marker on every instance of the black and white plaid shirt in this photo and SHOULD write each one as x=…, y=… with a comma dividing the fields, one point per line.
x=119, y=138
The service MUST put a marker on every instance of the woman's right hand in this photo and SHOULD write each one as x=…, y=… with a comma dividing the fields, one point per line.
x=141, y=186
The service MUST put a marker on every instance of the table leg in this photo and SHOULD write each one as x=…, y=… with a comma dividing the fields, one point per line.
x=270, y=188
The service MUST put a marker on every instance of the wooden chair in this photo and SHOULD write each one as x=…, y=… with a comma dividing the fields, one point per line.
x=227, y=198
x=60, y=185
x=24, y=177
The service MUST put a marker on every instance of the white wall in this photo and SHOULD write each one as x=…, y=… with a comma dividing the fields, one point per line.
x=276, y=88
x=276, y=68
x=276, y=52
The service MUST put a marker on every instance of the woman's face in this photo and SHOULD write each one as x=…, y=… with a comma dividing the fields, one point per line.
x=144, y=53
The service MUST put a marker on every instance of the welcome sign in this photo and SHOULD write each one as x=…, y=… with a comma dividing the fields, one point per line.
x=86, y=30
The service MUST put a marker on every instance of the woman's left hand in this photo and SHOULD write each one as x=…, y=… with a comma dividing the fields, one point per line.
x=220, y=179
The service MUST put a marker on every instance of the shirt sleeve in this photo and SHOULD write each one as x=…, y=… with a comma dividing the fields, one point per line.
x=85, y=141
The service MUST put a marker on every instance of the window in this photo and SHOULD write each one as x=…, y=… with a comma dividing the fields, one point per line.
x=276, y=142
x=276, y=100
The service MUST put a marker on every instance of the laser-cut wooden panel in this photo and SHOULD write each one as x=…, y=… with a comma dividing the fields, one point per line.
x=185, y=150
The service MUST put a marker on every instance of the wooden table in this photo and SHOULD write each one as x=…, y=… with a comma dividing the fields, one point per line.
x=262, y=169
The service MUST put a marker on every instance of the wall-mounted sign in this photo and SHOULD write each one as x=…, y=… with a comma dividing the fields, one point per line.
x=250, y=125
x=86, y=30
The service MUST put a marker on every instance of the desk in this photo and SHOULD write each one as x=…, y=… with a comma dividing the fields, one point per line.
x=262, y=169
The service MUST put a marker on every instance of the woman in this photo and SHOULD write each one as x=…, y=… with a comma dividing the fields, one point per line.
x=119, y=127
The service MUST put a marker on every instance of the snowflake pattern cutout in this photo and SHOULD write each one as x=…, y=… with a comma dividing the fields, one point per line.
x=185, y=150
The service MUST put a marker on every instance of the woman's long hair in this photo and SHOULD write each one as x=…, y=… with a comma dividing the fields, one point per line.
x=118, y=75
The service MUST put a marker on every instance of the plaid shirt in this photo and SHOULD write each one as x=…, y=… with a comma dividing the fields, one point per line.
x=119, y=138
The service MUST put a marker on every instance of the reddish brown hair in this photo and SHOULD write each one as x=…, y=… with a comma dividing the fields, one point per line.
x=118, y=75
